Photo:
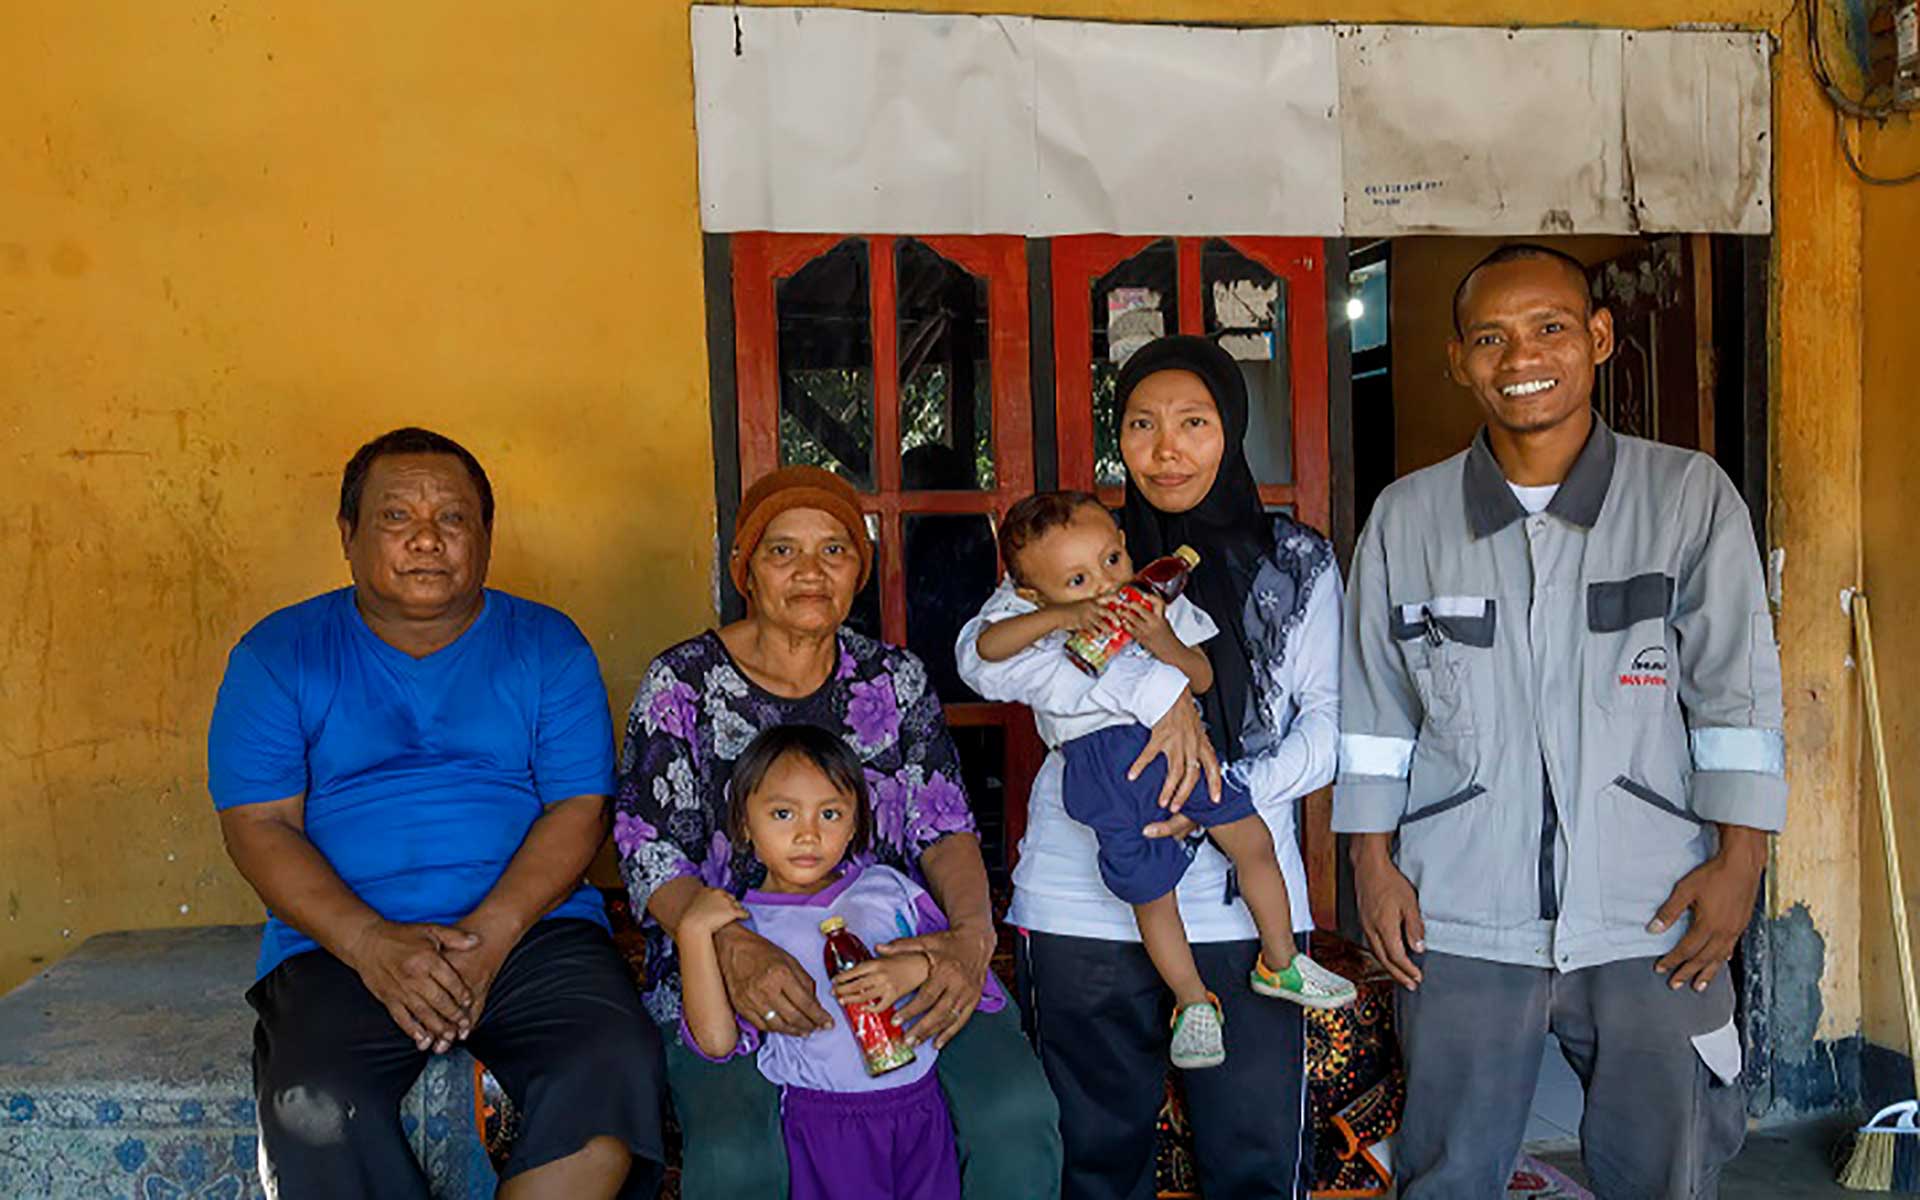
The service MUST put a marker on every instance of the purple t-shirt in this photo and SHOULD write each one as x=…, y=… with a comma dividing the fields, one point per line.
x=879, y=904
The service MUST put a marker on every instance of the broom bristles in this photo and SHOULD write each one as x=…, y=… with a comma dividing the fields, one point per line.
x=1870, y=1167
x=1906, y=1163
x=1883, y=1161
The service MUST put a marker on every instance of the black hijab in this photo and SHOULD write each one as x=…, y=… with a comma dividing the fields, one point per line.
x=1231, y=531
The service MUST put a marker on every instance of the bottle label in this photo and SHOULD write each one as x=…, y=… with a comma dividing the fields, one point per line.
x=1092, y=654
x=882, y=1042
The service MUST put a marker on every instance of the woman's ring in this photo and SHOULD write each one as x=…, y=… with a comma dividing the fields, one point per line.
x=770, y=1016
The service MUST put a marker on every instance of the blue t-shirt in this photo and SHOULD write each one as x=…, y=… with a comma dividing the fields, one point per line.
x=422, y=776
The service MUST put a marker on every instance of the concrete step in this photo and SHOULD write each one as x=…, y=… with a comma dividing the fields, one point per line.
x=124, y=1071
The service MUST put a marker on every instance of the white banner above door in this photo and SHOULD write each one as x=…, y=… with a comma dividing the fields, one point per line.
x=827, y=120
x=1482, y=130
x=1173, y=129
x=835, y=120
x=1698, y=134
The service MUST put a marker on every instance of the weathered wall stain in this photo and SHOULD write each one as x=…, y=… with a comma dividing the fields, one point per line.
x=1799, y=960
x=85, y=453
x=1829, y=1078
x=69, y=261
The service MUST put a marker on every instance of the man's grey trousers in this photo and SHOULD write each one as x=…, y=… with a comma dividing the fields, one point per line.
x=1664, y=1107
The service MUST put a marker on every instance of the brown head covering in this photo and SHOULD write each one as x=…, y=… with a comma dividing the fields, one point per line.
x=796, y=487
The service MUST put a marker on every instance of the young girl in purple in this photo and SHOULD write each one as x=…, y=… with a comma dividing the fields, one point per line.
x=799, y=797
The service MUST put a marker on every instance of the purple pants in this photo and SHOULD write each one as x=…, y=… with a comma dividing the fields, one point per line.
x=895, y=1144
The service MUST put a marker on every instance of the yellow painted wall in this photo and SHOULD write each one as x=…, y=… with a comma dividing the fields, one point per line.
x=1892, y=568
x=1814, y=521
x=236, y=241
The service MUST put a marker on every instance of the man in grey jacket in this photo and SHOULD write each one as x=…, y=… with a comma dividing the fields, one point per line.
x=1561, y=757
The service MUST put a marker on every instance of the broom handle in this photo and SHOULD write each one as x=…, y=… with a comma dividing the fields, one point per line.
x=1903, y=942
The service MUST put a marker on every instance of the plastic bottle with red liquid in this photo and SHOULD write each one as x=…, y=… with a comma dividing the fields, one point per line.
x=882, y=1042
x=1164, y=577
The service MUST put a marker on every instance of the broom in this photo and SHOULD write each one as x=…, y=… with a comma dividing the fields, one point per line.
x=1886, y=1151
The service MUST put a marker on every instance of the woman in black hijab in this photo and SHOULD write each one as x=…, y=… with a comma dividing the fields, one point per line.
x=1100, y=1009
x=1167, y=441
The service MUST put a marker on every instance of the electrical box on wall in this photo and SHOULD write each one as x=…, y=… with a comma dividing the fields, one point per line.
x=1906, y=55
x=1894, y=40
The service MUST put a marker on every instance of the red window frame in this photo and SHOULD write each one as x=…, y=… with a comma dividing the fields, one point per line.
x=760, y=261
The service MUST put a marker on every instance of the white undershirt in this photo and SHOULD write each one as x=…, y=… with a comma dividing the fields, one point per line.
x=1534, y=499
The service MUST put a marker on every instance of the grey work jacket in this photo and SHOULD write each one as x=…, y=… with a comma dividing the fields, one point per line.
x=1554, y=710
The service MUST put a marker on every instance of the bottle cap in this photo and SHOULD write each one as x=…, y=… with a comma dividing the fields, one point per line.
x=833, y=924
x=1190, y=555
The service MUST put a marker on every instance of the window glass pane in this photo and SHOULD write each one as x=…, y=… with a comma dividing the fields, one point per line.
x=946, y=381
x=1367, y=306
x=1245, y=306
x=1133, y=304
x=952, y=565
x=826, y=364
x=983, y=764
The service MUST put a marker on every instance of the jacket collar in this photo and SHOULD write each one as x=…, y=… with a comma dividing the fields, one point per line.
x=1492, y=506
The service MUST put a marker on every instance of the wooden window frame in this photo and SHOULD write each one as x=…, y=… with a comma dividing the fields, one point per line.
x=758, y=262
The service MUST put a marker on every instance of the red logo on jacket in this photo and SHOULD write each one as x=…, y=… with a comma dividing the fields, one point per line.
x=1649, y=669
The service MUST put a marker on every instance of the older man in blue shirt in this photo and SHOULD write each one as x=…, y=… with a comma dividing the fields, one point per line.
x=412, y=772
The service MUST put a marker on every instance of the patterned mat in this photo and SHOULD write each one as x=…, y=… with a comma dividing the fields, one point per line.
x=124, y=1072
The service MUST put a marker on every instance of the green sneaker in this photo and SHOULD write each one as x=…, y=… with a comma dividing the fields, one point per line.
x=1199, y=1036
x=1305, y=982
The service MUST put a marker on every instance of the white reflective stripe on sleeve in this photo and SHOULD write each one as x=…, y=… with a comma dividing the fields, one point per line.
x=1729, y=748
x=1445, y=606
x=1369, y=754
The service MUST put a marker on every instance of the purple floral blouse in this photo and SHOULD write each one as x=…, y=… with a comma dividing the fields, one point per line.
x=692, y=718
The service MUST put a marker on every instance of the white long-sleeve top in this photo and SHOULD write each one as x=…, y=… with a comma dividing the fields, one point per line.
x=1057, y=884
x=1067, y=703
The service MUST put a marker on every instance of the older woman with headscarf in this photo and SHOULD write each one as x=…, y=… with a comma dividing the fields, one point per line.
x=1098, y=1009
x=800, y=555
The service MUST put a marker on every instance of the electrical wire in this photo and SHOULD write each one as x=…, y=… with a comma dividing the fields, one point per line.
x=1860, y=172
x=1865, y=108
